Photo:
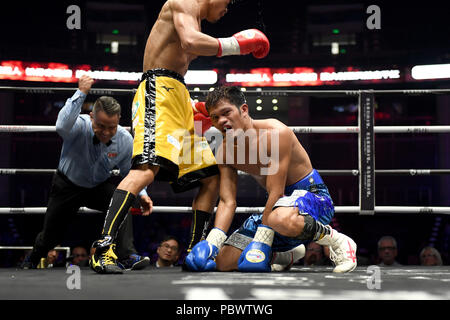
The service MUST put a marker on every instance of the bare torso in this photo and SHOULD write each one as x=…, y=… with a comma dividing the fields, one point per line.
x=163, y=48
x=299, y=165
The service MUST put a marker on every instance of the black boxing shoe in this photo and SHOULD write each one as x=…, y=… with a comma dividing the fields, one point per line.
x=104, y=259
x=134, y=262
x=28, y=263
x=31, y=261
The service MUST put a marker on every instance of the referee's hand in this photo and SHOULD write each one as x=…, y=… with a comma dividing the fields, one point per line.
x=85, y=83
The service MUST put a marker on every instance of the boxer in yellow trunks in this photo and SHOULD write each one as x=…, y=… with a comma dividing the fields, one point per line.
x=163, y=129
x=164, y=144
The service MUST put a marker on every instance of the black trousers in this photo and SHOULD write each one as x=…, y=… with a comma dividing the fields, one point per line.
x=65, y=200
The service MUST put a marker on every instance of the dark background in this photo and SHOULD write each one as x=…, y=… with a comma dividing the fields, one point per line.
x=410, y=34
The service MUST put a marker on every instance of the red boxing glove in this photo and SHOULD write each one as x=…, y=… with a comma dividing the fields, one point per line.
x=201, y=115
x=245, y=42
x=135, y=211
x=200, y=107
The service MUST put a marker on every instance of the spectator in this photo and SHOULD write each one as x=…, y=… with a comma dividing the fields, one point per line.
x=50, y=261
x=80, y=256
x=315, y=255
x=168, y=252
x=52, y=258
x=429, y=256
x=387, y=252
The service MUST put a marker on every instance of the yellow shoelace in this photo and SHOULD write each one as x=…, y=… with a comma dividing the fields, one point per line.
x=109, y=256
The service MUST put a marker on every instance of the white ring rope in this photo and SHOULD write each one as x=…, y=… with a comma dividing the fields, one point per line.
x=66, y=249
x=258, y=92
x=54, y=90
x=296, y=129
x=245, y=210
x=337, y=172
x=12, y=171
x=377, y=129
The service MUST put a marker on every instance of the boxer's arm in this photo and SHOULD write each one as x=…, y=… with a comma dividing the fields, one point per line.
x=256, y=256
x=186, y=22
x=276, y=182
x=202, y=256
x=227, y=203
x=202, y=121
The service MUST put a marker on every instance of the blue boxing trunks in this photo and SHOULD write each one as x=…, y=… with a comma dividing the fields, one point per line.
x=310, y=195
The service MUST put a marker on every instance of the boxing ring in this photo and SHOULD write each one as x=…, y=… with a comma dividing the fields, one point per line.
x=281, y=289
x=300, y=282
x=365, y=130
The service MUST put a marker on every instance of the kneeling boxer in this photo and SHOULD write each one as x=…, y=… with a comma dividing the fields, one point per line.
x=298, y=208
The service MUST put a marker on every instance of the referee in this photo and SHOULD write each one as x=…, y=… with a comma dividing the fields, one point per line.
x=93, y=145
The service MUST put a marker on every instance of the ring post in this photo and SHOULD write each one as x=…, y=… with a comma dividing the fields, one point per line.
x=366, y=152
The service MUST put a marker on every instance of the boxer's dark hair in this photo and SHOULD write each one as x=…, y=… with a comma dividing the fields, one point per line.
x=109, y=105
x=233, y=94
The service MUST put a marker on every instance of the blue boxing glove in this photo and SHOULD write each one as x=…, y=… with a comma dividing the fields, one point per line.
x=202, y=255
x=257, y=255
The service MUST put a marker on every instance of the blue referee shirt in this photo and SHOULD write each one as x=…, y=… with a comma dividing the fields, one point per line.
x=84, y=160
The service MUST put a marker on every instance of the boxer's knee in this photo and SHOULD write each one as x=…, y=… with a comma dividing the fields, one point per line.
x=286, y=221
x=137, y=179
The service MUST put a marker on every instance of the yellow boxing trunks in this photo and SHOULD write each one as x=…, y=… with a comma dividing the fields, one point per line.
x=163, y=131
